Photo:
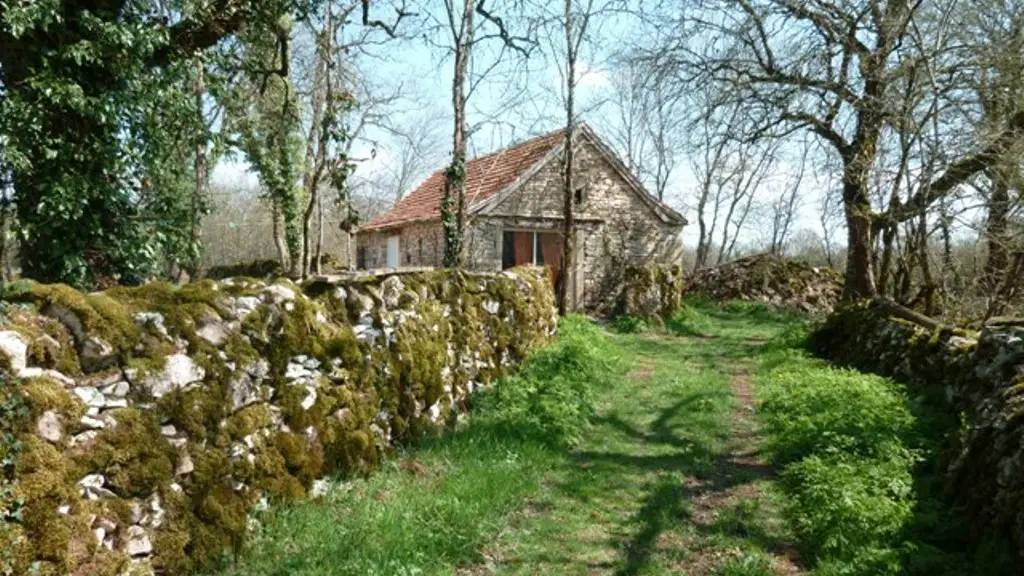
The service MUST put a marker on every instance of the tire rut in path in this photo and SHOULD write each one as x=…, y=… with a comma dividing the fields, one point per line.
x=733, y=481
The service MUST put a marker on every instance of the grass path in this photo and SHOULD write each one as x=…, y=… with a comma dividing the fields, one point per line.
x=669, y=480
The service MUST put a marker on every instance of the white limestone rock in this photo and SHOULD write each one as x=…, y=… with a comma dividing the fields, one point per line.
x=84, y=437
x=117, y=389
x=310, y=398
x=90, y=396
x=137, y=542
x=94, y=353
x=153, y=320
x=245, y=305
x=278, y=293
x=92, y=487
x=215, y=333
x=296, y=371
x=185, y=465
x=49, y=427
x=92, y=423
x=391, y=291
x=178, y=372
x=15, y=348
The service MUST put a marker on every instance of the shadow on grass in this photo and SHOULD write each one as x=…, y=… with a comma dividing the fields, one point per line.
x=690, y=470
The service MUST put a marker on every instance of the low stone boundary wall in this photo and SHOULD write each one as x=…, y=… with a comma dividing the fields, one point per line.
x=652, y=291
x=981, y=377
x=139, y=427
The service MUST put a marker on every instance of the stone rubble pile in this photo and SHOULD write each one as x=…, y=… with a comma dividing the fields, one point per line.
x=772, y=280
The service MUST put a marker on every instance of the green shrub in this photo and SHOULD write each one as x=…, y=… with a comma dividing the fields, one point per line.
x=550, y=398
x=691, y=320
x=629, y=325
x=808, y=409
x=849, y=444
x=840, y=507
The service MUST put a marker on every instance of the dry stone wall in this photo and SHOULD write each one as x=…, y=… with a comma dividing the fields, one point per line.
x=979, y=376
x=140, y=427
x=651, y=292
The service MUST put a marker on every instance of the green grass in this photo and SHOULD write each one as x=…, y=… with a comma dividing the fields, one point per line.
x=433, y=508
x=630, y=454
x=858, y=459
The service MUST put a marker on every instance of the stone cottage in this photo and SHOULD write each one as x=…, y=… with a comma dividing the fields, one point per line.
x=514, y=217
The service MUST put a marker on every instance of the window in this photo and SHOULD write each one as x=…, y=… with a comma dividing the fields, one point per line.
x=578, y=196
x=529, y=247
x=421, y=252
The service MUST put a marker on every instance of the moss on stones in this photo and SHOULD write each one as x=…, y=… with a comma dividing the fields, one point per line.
x=247, y=431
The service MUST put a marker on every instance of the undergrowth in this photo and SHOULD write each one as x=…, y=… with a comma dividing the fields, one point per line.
x=432, y=509
x=858, y=467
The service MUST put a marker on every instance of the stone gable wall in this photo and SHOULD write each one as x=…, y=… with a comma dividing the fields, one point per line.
x=979, y=376
x=616, y=229
x=140, y=427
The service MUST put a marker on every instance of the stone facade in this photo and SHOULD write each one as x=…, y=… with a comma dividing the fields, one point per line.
x=616, y=226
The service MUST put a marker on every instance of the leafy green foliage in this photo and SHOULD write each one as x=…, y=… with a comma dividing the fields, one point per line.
x=451, y=207
x=551, y=398
x=13, y=411
x=856, y=456
x=91, y=163
x=88, y=92
x=810, y=409
x=629, y=325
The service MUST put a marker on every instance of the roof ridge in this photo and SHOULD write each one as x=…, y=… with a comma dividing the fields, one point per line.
x=514, y=145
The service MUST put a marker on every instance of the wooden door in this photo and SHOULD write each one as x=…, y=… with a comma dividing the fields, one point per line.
x=392, y=255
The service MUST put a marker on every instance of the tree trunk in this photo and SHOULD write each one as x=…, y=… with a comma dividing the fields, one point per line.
x=568, y=215
x=998, y=258
x=860, y=281
x=318, y=139
x=453, y=200
x=319, y=256
x=279, y=238
x=199, y=195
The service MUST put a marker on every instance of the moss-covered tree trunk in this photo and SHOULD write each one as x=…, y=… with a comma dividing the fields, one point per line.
x=453, y=199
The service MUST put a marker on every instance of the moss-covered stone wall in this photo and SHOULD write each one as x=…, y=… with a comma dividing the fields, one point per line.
x=979, y=376
x=651, y=291
x=141, y=426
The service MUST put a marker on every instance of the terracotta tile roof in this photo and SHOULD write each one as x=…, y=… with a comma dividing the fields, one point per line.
x=485, y=177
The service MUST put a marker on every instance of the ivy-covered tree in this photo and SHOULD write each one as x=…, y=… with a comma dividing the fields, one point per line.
x=84, y=88
x=263, y=110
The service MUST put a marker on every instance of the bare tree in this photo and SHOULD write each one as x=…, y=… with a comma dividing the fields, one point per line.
x=784, y=208
x=648, y=124
x=463, y=21
x=834, y=69
x=729, y=173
